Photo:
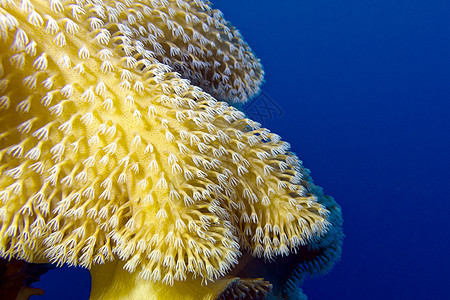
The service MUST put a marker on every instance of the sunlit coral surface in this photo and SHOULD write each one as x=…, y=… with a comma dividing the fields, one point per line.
x=114, y=156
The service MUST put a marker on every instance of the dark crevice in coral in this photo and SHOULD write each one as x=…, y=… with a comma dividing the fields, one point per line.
x=246, y=289
x=16, y=277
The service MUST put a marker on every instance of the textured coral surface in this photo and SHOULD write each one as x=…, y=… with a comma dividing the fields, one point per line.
x=107, y=153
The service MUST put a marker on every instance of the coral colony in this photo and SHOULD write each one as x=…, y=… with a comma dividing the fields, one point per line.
x=120, y=154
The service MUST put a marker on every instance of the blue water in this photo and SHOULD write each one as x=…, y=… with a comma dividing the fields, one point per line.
x=363, y=87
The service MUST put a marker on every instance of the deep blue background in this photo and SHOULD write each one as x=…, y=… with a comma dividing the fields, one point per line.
x=364, y=87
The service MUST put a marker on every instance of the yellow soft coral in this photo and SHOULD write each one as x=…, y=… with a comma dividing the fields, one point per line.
x=195, y=40
x=108, y=155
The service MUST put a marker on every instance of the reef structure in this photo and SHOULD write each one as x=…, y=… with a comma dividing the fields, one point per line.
x=117, y=155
